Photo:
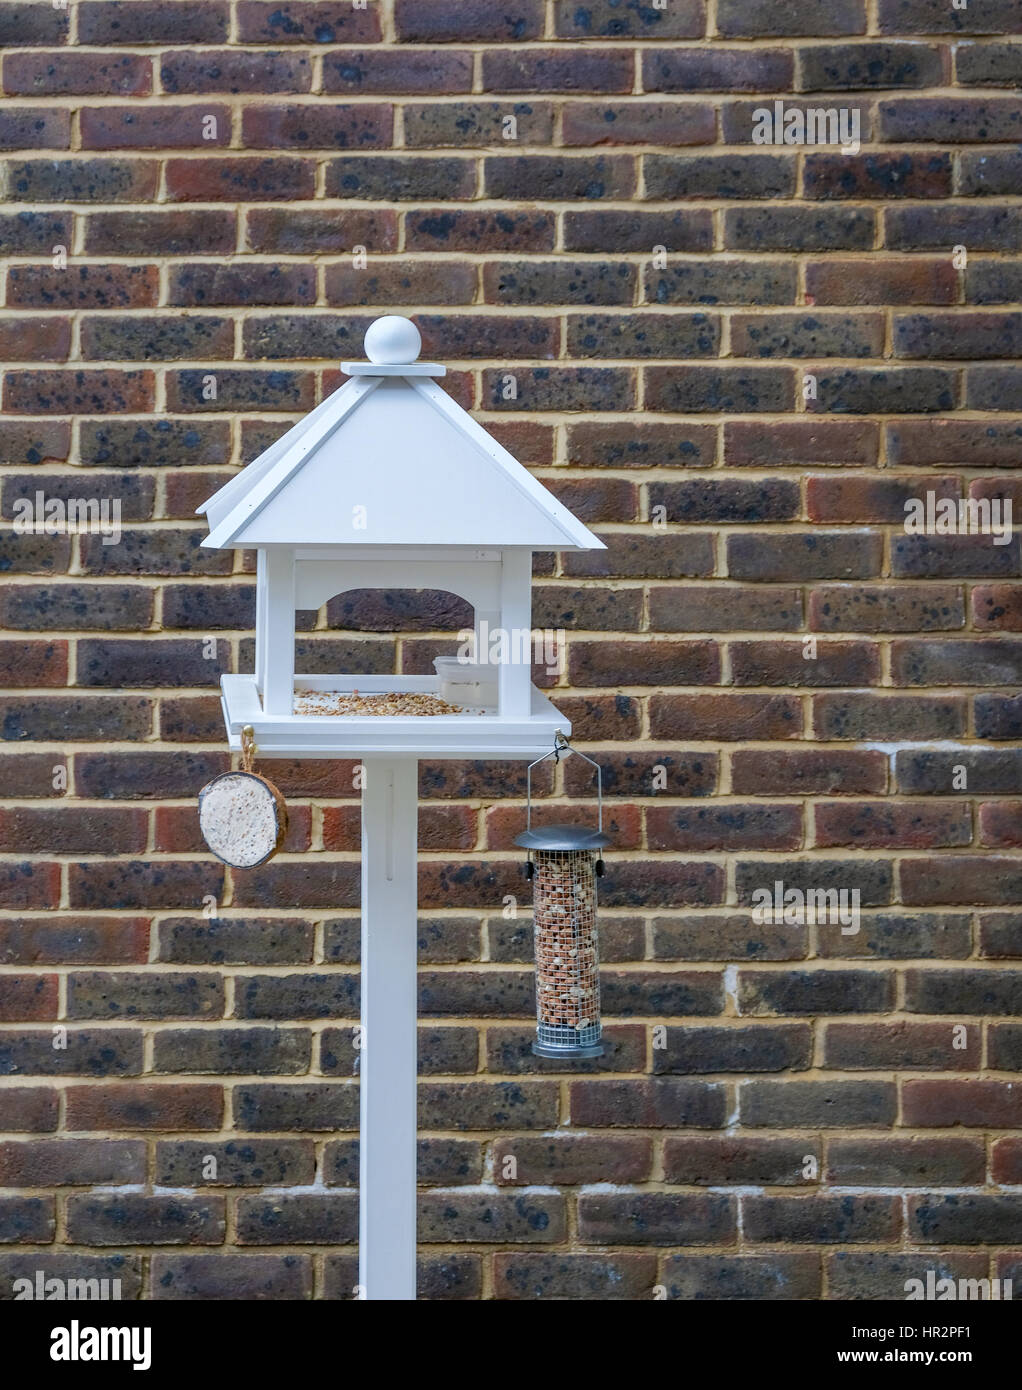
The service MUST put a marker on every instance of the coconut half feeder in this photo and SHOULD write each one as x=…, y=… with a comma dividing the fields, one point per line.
x=564, y=863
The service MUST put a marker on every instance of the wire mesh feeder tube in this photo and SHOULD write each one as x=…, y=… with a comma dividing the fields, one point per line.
x=564, y=866
x=567, y=954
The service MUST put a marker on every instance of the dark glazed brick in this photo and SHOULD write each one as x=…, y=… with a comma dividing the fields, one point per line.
x=804, y=992
x=710, y=1160
x=582, y=69
x=470, y=124
x=742, y=1277
x=424, y=21
x=155, y=443
x=806, y=335
x=31, y=24
x=307, y=21
x=986, y=228
x=445, y=229
x=200, y=1278
x=233, y=72
x=799, y=229
x=149, y=1220
x=536, y=1276
x=956, y=120
x=390, y=178
x=905, y=1162
x=238, y=1051
x=628, y=19
x=657, y=1218
x=760, y=18
x=553, y=178
x=559, y=282
x=877, y=176
x=760, y=1048
x=409, y=72
x=83, y=180
x=661, y=1102
x=731, y=390
x=643, y=335
x=501, y=1217
x=137, y=22
x=686, y=229
x=722, y=281
x=933, y=17
x=719, y=176
x=826, y=1219
x=717, y=70
x=818, y=1104
x=988, y=64
x=26, y=1220
x=102, y=1052
x=965, y=1219
x=855, y=66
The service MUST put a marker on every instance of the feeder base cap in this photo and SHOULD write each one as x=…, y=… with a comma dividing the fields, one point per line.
x=567, y=1054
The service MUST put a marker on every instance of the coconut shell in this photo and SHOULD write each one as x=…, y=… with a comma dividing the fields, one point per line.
x=243, y=819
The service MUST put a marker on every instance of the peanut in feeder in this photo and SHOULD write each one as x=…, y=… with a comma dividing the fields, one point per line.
x=564, y=866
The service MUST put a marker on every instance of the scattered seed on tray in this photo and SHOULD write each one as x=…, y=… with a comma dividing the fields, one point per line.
x=392, y=702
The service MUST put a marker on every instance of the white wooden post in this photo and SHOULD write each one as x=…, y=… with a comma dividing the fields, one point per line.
x=515, y=677
x=388, y=1063
x=260, y=621
x=279, y=676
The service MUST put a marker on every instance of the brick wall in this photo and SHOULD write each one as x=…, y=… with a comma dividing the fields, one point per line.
x=737, y=361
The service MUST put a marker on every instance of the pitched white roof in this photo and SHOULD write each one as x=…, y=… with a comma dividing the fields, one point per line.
x=397, y=453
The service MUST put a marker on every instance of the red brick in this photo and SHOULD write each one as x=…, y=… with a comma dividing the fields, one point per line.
x=286, y=127
x=797, y=771
x=196, y=126
x=240, y=178
x=941, y=1104
x=842, y=443
x=25, y=664
x=79, y=940
x=643, y=663
x=35, y=340
x=28, y=998
x=31, y=830
x=134, y=1106
x=915, y=280
x=1000, y=824
x=1006, y=1161
x=728, y=715
x=29, y=884
x=30, y=1109
x=851, y=499
x=787, y=663
x=892, y=825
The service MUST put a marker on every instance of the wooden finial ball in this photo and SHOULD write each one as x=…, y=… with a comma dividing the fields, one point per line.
x=393, y=340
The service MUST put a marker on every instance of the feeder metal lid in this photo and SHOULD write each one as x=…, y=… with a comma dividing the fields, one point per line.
x=566, y=837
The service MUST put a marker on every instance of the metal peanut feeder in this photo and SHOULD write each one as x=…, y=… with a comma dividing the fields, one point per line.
x=564, y=866
x=387, y=484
